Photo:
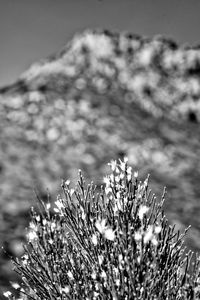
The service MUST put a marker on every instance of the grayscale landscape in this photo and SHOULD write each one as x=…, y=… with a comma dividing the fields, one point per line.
x=105, y=95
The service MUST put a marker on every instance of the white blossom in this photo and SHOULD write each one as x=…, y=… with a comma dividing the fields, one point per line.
x=7, y=294
x=142, y=211
x=101, y=225
x=94, y=275
x=33, y=226
x=120, y=257
x=15, y=285
x=118, y=195
x=154, y=241
x=149, y=234
x=113, y=165
x=109, y=234
x=70, y=275
x=44, y=222
x=59, y=204
x=117, y=282
x=137, y=236
x=53, y=226
x=100, y=259
x=66, y=289
x=67, y=182
x=94, y=239
x=157, y=229
x=125, y=159
x=48, y=206
x=112, y=178
x=37, y=218
x=71, y=191
x=108, y=190
x=103, y=274
x=32, y=235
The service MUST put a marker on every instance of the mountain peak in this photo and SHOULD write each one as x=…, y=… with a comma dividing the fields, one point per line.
x=141, y=66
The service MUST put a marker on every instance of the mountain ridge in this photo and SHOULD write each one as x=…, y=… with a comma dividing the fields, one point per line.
x=158, y=53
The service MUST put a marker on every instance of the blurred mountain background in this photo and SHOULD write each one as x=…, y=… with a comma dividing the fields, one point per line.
x=104, y=96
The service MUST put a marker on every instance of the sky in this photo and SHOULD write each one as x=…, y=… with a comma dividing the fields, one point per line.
x=33, y=29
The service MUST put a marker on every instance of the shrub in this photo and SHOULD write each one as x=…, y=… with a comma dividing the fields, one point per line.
x=111, y=243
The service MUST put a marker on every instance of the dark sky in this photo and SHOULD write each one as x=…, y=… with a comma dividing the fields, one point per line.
x=33, y=29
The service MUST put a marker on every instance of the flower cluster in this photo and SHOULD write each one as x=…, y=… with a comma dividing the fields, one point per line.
x=112, y=243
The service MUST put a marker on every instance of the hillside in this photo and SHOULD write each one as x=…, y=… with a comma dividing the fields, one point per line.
x=104, y=96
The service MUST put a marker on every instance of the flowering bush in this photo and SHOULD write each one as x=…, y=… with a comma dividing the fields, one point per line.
x=112, y=243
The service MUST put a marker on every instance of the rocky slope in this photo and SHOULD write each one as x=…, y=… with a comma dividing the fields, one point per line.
x=104, y=96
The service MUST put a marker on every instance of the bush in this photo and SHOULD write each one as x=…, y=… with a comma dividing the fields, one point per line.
x=111, y=243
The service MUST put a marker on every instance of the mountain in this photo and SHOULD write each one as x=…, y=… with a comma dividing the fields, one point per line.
x=104, y=96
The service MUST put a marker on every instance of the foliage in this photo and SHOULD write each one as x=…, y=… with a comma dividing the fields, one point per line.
x=112, y=243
